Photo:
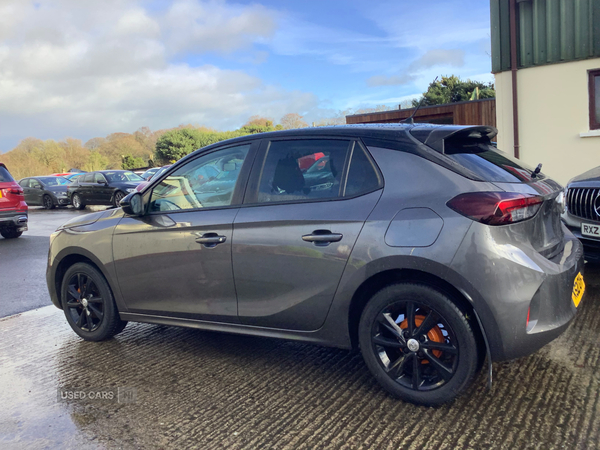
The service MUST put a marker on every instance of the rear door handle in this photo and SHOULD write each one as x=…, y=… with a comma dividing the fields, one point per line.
x=322, y=237
x=211, y=240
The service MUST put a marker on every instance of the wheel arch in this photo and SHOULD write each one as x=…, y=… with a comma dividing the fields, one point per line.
x=378, y=281
x=69, y=259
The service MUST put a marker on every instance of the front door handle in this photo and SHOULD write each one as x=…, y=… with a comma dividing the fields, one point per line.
x=211, y=240
x=322, y=237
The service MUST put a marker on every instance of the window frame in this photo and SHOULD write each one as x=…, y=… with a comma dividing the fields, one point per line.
x=238, y=191
x=592, y=74
x=252, y=190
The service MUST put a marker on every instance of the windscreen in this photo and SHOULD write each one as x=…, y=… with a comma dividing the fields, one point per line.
x=4, y=175
x=487, y=162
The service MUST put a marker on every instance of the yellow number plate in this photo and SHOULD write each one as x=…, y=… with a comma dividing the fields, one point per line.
x=0, y=193
x=578, y=289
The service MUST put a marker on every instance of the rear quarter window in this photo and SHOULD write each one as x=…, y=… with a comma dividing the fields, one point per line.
x=5, y=175
x=487, y=162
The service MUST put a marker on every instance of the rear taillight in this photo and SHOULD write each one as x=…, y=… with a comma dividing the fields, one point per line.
x=13, y=191
x=496, y=208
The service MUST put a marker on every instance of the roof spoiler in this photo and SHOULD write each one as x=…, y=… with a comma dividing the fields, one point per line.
x=435, y=138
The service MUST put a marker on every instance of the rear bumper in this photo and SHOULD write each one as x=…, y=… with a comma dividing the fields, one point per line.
x=516, y=282
x=14, y=219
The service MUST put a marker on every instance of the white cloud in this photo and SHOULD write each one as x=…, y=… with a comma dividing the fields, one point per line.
x=92, y=68
x=216, y=26
x=432, y=58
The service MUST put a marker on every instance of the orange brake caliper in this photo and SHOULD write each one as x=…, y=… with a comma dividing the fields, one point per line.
x=435, y=334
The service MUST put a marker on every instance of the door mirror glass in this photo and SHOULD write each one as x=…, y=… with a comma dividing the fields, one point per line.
x=132, y=204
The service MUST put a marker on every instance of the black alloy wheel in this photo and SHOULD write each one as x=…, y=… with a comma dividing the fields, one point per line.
x=119, y=195
x=84, y=301
x=418, y=344
x=77, y=202
x=88, y=303
x=47, y=202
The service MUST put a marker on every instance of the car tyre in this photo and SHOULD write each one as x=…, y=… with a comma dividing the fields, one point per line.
x=77, y=202
x=88, y=303
x=119, y=195
x=10, y=233
x=430, y=362
x=47, y=202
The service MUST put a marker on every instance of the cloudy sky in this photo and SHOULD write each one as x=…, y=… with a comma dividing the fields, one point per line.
x=89, y=68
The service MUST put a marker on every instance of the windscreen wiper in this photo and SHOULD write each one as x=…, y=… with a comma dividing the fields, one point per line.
x=537, y=170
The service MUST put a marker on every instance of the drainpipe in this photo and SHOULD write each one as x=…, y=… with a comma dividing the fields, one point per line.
x=513, y=69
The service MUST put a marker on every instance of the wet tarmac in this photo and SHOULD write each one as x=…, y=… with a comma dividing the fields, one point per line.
x=184, y=388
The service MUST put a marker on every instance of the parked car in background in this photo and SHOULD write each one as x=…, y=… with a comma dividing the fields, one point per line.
x=104, y=187
x=13, y=208
x=582, y=212
x=47, y=191
x=158, y=173
x=149, y=173
x=59, y=174
x=422, y=245
x=73, y=176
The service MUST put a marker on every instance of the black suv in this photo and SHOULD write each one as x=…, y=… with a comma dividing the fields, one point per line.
x=105, y=187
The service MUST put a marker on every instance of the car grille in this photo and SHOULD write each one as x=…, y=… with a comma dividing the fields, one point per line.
x=581, y=202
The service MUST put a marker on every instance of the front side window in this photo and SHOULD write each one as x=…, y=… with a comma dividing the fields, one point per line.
x=99, y=178
x=302, y=170
x=207, y=181
x=594, y=89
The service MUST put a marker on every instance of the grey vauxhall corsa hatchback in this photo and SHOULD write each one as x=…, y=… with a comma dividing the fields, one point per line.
x=422, y=245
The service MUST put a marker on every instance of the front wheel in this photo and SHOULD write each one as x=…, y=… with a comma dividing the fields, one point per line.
x=117, y=198
x=77, y=202
x=88, y=304
x=47, y=202
x=10, y=233
x=418, y=344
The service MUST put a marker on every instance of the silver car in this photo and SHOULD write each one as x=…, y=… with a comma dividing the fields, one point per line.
x=422, y=245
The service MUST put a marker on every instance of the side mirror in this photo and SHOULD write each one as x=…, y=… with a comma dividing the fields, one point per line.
x=101, y=182
x=132, y=204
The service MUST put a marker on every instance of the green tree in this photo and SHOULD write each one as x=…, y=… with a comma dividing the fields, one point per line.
x=452, y=89
x=132, y=162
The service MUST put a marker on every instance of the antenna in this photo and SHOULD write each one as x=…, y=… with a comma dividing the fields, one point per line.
x=410, y=119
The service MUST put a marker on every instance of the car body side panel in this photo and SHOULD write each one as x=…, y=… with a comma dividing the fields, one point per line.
x=94, y=242
x=283, y=281
x=411, y=182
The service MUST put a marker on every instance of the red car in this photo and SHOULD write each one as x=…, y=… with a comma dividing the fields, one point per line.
x=13, y=209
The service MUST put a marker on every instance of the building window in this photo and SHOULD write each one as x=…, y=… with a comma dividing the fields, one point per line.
x=594, y=99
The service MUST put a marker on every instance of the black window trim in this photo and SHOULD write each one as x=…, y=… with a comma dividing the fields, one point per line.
x=251, y=195
x=592, y=74
x=240, y=185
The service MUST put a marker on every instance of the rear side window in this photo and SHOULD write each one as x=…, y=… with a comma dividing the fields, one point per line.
x=488, y=163
x=4, y=175
x=363, y=177
x=302, y=170
x=87, y=178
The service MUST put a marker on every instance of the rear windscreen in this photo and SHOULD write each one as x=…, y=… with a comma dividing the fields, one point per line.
x=4, y=175
x=485, y=161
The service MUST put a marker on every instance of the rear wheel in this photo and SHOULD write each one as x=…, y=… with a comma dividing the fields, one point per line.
x=47, y=202
x=88, y=304
x=117, y=198
x=77, y=202
x=418, y=344
x=10, y=233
